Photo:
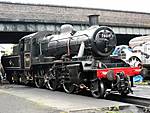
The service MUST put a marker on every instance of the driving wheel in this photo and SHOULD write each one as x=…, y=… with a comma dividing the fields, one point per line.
x=68, y=86
x=51, y=80
x=39, y=81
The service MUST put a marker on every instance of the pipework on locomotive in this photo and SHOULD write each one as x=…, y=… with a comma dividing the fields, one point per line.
x=73, y=60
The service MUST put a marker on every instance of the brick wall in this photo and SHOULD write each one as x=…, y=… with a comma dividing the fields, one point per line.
x=48, y=14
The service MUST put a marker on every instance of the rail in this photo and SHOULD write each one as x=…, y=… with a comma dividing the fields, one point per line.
x=140, y=102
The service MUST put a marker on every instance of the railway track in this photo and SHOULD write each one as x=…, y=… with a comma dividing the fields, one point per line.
x=140, y=102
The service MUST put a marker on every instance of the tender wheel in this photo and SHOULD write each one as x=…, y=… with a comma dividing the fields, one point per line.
x=14, y=78
x=51, y=80
x=10, y=78
x=97, y=89
x=20, y=80
x=23, y=78
x=134, y=61
x=39, y=81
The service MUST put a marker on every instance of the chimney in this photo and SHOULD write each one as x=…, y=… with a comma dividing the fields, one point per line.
x=93, y=20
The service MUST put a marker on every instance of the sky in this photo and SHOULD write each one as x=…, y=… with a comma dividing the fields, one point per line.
x=125, y=5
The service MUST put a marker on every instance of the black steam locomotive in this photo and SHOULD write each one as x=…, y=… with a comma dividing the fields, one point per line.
x=74, y=60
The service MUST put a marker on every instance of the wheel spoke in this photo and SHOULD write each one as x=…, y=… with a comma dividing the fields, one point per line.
x=51, y=82
x=39, y=81
x=68, y=87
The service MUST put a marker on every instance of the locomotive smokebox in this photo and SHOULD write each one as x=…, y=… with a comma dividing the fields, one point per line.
x=93, y=20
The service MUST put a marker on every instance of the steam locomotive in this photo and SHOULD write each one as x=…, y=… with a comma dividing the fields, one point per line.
x=73, y=60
